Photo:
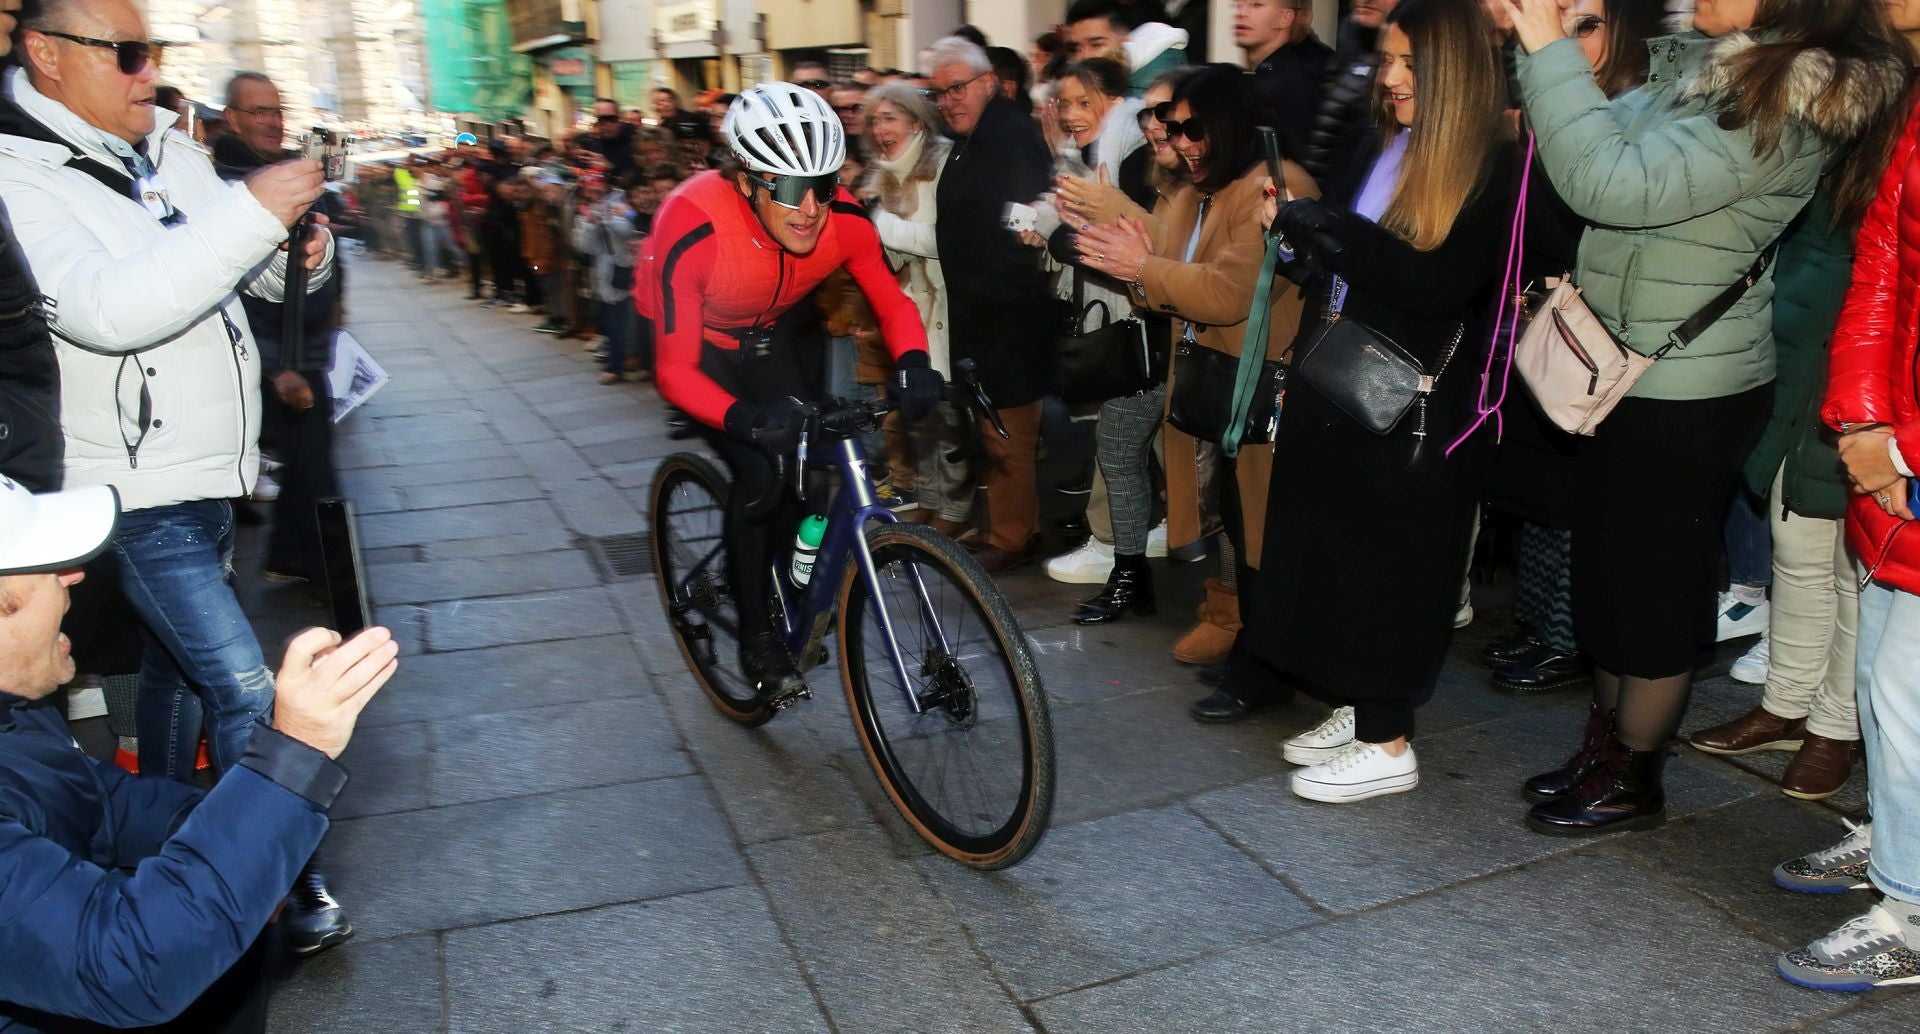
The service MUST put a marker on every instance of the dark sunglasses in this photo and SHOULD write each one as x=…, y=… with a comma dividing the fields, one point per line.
x=792, y=191
x=1588, y=25
x=814, y=84
x=849, y=109
x=604, y=119
x=133, y=54
x=1193, y=129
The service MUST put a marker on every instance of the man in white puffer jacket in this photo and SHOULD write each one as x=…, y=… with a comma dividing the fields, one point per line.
x=140, y=250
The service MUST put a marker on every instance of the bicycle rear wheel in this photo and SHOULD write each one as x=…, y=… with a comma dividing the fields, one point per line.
x=689, y=512
x=972, y=771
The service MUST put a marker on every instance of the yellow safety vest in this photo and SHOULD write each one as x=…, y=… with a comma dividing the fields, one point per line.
x=409, y=190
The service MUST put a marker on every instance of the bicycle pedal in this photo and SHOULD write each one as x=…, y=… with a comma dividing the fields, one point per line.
x=790, y=690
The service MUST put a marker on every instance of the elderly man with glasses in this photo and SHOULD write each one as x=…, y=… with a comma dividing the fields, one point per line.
x=141, y=252
x=998, y=303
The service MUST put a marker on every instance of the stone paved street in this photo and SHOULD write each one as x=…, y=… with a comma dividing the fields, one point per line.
x=550, y=829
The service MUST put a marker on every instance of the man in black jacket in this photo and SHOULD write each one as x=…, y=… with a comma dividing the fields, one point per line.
x=1287, y=60
x=999, y=308
x=298, y=418
x=31, y=448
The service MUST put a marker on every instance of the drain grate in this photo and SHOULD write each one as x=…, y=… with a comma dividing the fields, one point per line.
x=624, y=556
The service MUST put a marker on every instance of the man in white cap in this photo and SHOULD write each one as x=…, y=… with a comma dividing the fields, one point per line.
x=122, y=899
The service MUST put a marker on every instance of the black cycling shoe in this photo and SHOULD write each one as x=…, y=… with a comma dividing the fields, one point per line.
x=768, y=665
x=314, y=921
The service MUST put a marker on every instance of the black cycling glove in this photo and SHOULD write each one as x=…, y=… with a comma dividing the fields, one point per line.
x=915, y=387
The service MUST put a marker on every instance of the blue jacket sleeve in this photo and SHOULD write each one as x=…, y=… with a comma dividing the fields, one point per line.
x=136, y=950
x=143, y=813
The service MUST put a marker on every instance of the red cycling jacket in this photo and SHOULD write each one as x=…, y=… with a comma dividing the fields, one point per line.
x=710, y=267
x=1873, y=376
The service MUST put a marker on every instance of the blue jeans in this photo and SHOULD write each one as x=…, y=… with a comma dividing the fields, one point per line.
x=436, y=247
x=1749, y=540
x=200, y=656
x=616, y=324
x=1889, y=697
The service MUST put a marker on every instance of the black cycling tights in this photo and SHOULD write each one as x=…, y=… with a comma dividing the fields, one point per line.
x=754, y=545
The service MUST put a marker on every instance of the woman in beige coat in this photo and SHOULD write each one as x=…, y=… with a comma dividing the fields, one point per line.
x=1211, y=128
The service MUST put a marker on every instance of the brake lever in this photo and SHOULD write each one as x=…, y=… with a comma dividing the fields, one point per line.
x=969, y=375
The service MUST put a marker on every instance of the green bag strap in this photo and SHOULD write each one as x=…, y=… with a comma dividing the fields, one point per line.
x=1253, y=350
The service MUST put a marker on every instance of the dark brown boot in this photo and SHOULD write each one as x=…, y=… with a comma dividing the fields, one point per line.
x=1623, y=793
x=1551, y=786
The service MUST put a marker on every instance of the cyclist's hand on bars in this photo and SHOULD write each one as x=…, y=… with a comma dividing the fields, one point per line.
x=774, y=428
x=915, y=386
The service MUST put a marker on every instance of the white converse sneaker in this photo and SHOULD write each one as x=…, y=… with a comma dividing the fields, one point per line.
x=1157, y=540
x=1088, y=565
x=1752, y=666
x=1321, y=742
x=1742, y=611
x=1360, y=771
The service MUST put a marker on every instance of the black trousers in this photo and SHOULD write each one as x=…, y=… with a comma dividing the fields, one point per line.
x=306, y=450
x=503, y=255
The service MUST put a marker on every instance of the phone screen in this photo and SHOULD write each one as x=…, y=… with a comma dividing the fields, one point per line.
x=1270, y=149
x=340, y=548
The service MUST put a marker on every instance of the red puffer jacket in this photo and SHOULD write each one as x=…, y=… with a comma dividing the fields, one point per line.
x=1874, y=374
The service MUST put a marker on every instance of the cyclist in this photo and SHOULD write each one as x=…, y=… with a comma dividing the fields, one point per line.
x=732, y=251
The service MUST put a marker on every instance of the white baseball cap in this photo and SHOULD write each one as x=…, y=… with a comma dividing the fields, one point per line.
x=55, y=531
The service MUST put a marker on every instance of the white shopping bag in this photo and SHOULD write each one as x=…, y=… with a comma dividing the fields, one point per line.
x=354, y=377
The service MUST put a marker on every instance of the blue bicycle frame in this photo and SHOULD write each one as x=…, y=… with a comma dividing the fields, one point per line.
x=853, y=507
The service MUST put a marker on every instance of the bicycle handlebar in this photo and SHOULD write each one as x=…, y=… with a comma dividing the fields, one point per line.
x=846, y=418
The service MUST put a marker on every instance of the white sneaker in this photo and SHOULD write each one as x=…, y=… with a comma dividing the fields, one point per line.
x=518, y=309
x=1464, y=616
x=1323, y=741
x=1088, y=565
x=1360, y=771
x=269, y=465
x=1157, y=540
x=1751, y=668
x=265, y=490
x=1741, y=614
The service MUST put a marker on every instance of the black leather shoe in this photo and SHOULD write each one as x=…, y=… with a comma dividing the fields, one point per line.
x=1544, y=669
x=1221, y=707
x=1214, y=674
x=1129, y=587
x=314, y=921
x=1551, y=786
x=1073, y=523
x=1500, y=653
x=1623, y=793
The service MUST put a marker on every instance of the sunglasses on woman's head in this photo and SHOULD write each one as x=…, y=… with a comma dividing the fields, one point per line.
x=791, y=191
x=133, y=55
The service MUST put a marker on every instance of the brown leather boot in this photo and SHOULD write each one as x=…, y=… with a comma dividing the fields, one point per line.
x=1209, y=641
x=1757, y=730
x=1820, y=769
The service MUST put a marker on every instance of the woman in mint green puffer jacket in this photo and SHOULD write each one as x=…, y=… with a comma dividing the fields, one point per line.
x=1685, y=182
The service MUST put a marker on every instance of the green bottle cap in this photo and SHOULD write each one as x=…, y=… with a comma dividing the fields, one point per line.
x=813, y=530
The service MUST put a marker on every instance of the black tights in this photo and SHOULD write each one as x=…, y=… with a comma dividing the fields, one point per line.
x=1647, y=711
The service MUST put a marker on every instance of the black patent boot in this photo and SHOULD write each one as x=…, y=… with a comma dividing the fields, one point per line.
x=1129, y=587
x=1551, y=786
x=1623, y=793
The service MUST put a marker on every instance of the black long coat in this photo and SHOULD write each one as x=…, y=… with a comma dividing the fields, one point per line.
x=999, y=309
x=1367, y=535
x=31, y=448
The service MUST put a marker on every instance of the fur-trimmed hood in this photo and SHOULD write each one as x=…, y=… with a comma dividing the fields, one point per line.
x=1867, y=88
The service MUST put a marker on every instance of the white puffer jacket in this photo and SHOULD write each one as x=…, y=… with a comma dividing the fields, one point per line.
x=159, y=395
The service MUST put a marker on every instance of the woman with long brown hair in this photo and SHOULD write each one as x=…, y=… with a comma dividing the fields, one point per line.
x=1368, y=533
x=1688, y=182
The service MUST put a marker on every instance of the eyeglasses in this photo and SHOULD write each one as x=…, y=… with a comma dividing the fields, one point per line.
x=1588, y=25
x=262, y=112
x=792, y=191
x=942, y=94
x=815, y=84
x=133, y=54
x=604, y=119
x=849, y=109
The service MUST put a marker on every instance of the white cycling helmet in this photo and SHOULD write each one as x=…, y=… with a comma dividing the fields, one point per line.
x=785, y=130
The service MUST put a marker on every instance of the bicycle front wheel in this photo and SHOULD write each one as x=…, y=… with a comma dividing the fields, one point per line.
x=690, y=560
x=964, y=745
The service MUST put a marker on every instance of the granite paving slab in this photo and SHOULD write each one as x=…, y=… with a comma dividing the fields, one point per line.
x=363, y=985
x=480, y=577
x=530, y=618
x=558, y=747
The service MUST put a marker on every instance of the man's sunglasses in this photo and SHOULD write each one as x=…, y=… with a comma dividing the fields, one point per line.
x=1193, y=129
x=937, y=94
x=133, y=54
x=814, y=84
x=792, y=191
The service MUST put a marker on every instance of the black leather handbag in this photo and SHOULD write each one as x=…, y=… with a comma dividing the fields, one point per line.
x=1366, y=375
x=1201, y=402
x=1101, y=358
